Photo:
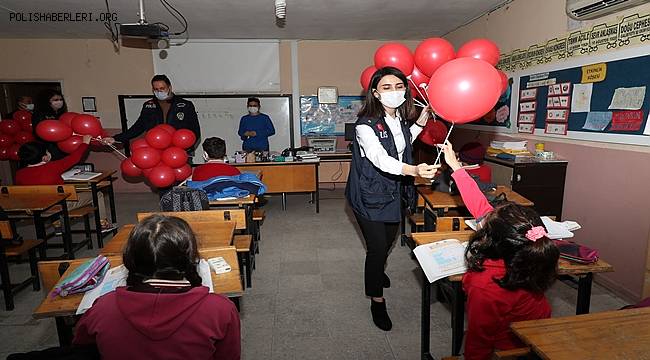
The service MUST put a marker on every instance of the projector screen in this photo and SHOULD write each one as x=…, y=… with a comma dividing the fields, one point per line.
x=221, y=66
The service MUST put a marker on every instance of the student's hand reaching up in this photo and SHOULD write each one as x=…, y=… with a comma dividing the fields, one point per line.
x=450, y=156
x=86, y=139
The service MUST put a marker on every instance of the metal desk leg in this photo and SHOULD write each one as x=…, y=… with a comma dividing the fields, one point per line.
x=67, y=234
x=584, y=293
x=6, y=281
x=284, y=201
x=98, y=221
x=64, y=331
x=425, y=319
x=457, y=317
x=317, y=200
x=111, y=200
x=40, y=235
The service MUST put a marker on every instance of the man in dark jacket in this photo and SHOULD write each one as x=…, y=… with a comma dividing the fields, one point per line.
x=164, y=108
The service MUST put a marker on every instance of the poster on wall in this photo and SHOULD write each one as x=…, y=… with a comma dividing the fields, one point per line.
x=500, y=113
x=328, y=119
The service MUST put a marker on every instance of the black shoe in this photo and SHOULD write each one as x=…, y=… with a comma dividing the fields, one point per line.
x=386, y=281
x=380, y=315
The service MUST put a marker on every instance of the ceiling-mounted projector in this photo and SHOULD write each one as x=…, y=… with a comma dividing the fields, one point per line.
x=142, y=29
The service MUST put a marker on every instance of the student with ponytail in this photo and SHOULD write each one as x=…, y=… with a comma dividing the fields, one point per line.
x=511, y=263
x=163, y=312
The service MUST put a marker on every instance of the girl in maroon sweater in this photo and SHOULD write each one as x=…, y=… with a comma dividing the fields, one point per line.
x=510, y=261
x=163, y=312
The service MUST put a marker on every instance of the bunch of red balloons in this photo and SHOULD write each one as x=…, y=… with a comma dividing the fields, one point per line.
x=15, y=132
x=459, y=86
x=68, y=130
x=160, y=156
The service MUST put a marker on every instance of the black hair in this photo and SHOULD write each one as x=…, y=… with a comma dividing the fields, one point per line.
x=253, y=99
x=31, y=153
x=161, y=78
x=372, y=107
x=43, y=103
x=161, y=247
x=21, y=98
x=215, y=147
x=530, y=265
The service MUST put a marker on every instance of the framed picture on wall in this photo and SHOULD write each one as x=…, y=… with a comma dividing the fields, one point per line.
x=88, y=104
x=328, y=95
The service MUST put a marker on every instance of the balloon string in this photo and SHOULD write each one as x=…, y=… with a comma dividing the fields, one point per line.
x=426, y=100
x=418, y=103
x=112, y=147
x=444, y=143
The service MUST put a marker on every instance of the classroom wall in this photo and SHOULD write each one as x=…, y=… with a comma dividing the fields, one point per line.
x=607, y=184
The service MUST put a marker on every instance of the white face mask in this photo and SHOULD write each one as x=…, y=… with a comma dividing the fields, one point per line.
x=29, y=107
x=161, y=95
x=57, y=104
x=392, y=99
x=253, y=109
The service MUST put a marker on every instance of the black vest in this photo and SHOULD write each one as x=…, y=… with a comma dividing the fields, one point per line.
x=373, y=194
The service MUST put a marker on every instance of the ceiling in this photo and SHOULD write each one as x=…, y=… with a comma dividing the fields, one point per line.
x=254, y=19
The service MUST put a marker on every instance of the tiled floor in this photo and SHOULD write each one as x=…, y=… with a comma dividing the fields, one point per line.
x=307, y=298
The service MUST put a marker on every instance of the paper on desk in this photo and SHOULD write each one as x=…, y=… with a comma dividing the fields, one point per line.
x=628, y=98
x=441, y=258
x=472, y=224
x=114, y=277
x=206, y=277
x=559, y=230
x=581, y=99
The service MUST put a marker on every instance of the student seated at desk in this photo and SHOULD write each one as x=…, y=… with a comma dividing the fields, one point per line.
x=38, y=168
x=214, y=152
x=511, y=263
x=163, y=312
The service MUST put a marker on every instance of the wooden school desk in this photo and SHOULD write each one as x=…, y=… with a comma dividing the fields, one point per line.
x=442, y=201
x=228, y=284
x=287, y=177
x=247, y=203
x=620, y=334
x=94, y=185
x=208, y=235
x=584, y=273
x=35, y=205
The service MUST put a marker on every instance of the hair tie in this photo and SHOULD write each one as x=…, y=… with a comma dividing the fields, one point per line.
x=535, y=233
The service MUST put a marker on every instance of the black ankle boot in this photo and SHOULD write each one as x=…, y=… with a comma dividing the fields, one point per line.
x=386, y=281
x=380, y=315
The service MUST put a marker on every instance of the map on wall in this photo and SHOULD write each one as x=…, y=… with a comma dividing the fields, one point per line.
x=328, y=119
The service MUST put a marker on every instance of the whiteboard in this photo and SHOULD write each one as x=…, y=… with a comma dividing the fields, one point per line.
x=221, y=66
x=219, y=116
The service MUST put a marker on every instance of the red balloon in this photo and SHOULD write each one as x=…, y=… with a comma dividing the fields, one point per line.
x=170, y=129
x=464, y=90
x=434, y=133
x=129, y=169
x=85, y=124
x=146, y=158
x=24, y=137
x=158, y=138
x=366, y=75
x=183, y=172
x=504, y=81
x=22, y=115
x=67, y=117
x=4, y=153
x=146, y=172
x=25, y=124
x=184, y=138
x=53, y=130
x=395, y=55
x=420, y=80
x=70, y=144
x=482, y=49
x=9, y=127
x=432, y=53
x=13, y=152
x=6, y=141
x=162, y=176
x=174, y=157
x=138, y=144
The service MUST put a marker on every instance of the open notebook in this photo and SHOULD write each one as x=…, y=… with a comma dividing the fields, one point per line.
x=77, y=174
x=442, y=258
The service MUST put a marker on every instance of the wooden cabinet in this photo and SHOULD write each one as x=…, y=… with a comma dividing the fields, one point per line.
x=540, y=182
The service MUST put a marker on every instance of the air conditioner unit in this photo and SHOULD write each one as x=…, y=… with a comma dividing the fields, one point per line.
x=591, y=9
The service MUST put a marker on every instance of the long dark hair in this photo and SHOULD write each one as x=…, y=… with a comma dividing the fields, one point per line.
x=372, y=107
x=43, y=103
x=530, y=265
x=161, y=247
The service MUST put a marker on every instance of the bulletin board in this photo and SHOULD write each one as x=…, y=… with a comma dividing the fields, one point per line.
x=605, y=98
x=499, y=116
x=328, y=119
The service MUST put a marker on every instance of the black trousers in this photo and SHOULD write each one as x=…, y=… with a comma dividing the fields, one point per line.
x=379, y=237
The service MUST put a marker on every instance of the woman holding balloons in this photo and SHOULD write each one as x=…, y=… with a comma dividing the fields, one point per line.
x=50, y=104
x=381, y=162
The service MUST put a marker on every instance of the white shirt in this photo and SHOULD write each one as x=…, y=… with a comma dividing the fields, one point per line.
x=372, y=149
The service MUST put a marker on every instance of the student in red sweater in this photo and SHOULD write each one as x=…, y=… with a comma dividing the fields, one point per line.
x=510, y=261
x=38, y=168
x=214, y=152
x=163, y=312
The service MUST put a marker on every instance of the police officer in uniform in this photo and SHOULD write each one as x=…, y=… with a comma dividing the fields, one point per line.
x=164, y=108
